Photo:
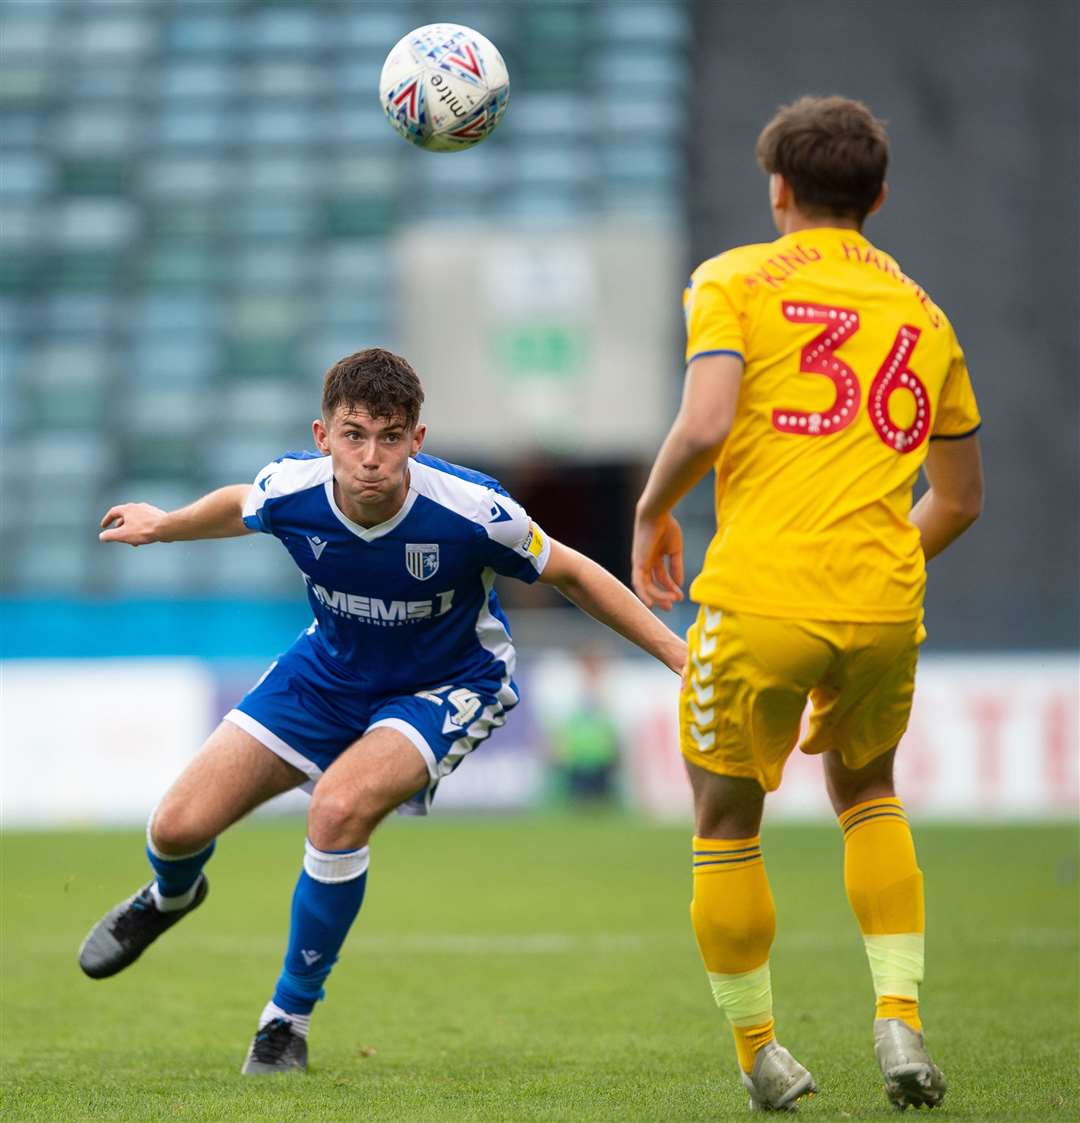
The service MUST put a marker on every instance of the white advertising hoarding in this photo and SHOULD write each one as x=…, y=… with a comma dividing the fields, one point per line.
x=97, y=741
x=989, y=738
x=92, y=742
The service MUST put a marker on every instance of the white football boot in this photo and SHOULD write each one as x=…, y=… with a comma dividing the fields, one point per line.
x=911, y=1077
x=777, y=1080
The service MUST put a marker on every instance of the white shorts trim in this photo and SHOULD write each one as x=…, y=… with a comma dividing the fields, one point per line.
x=415, y=737
x=276, y=745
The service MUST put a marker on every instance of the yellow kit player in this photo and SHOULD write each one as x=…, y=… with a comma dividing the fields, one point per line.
x=820, y=379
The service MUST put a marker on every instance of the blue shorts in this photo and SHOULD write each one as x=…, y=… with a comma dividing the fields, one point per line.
x=308, y=713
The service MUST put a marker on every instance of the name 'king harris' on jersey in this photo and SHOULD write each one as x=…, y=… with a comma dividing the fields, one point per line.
x=410, y=603
x=849, y=370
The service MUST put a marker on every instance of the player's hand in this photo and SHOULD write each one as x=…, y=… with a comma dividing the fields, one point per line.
x=134, y=523
x=656, y=561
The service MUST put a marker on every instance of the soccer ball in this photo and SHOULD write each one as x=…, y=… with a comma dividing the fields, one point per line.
x=444, y=87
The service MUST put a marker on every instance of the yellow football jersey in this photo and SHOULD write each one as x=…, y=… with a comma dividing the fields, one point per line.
x=850, y=369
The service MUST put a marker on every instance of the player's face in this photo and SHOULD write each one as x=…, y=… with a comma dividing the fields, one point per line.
x=370, y=455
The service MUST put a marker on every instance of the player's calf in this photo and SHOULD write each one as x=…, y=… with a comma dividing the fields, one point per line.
x=327, y=898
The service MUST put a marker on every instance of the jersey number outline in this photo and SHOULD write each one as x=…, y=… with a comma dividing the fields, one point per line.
x=819, y=357
x=466, y=703
x=895, y=374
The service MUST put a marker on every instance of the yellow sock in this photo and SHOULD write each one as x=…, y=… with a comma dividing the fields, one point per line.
x=749, y=1039
x=885, y=887
x=893, y=1006
x=734, y=922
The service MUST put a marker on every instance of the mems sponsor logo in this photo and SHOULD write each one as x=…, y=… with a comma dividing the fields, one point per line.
x=385, y=613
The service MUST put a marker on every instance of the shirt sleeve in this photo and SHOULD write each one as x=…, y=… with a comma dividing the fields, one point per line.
x=515, y=546
x=256, y=508
x=957, y=410
x=713, y=325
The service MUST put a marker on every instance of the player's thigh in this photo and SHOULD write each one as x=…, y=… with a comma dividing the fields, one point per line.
x=861, y=710
x=445, y=725
x=231, y=775
x=366, y=782
x=741, y=707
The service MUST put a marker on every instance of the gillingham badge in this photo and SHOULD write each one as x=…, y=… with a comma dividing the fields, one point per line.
x=422, y=559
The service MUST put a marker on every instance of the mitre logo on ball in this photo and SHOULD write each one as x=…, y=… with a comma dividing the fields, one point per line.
x=444, y=87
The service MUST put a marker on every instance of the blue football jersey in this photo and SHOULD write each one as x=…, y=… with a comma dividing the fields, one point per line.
x=409, y=604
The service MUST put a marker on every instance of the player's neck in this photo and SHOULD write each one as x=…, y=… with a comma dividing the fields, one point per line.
x=791, y=221
x=368, y=515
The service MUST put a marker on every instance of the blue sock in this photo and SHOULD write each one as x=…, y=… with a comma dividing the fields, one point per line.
x=175, y=876
x=325, y=903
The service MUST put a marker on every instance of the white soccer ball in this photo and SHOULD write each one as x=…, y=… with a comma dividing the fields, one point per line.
x=444, y=87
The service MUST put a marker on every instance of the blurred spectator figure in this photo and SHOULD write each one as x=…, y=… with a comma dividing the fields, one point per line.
x=585, y=742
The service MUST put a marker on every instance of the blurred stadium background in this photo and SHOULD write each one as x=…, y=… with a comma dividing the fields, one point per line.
x=203, y=208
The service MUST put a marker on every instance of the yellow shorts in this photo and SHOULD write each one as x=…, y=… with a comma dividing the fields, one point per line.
x=750, y=676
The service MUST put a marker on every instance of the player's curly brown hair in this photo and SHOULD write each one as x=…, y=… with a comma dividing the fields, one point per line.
x=377, y=380
x=832, y=151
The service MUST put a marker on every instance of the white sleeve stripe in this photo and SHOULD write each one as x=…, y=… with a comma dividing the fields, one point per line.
x=463, y=497
x=286, y=477
x=503, y=519
x=540, y=562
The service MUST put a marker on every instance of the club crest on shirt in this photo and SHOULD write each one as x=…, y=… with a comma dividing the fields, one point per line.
x=422, y=559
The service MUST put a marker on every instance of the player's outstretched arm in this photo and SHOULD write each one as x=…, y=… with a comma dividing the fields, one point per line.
x=710, y=397
x=217, y=515
x=954, y=499
x=608, y=600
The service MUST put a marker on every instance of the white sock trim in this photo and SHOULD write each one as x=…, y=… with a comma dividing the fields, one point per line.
x=896, y=963
x=746, y=998
x=334, y=868
x=301, y=1023
x=174, y=904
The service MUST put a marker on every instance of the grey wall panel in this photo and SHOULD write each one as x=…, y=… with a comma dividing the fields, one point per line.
x=981, y=100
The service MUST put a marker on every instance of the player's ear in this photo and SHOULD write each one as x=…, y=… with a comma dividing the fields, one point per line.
x=879, y=202
x=779, y=191
x=418, y=435
x=318, y=431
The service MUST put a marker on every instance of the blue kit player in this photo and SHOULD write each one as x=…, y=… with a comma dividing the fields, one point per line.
x=407, y=667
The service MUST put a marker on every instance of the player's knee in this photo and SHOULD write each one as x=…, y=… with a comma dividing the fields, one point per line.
x=176, y=830
x=339, y=819
x=728, y=821
x=726, y=806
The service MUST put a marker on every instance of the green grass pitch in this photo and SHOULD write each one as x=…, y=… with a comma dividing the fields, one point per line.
x=527, y=969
